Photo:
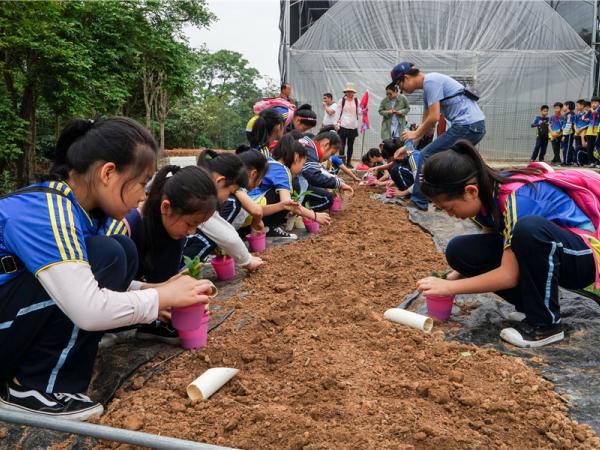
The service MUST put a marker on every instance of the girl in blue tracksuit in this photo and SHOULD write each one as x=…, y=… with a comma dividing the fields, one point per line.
x=62, y=280
x=536, y=239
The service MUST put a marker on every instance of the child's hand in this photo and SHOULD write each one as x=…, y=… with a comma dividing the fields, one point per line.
x=183, y=291
x=345, y=187
x=258, y=227
x=254, y=264
x=290, y=205
x=434, y=286
x=323, y=218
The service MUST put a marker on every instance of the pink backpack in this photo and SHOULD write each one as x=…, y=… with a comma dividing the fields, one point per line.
x=583, y=186
x=278, y=103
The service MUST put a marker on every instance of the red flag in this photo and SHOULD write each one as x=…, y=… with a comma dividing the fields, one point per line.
x=364, y=109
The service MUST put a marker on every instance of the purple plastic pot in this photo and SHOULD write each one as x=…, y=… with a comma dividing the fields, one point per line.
x=336, y=206
x=224, y=267
x=439, y=307
x=311, y=225
x=191, y=324
x=257, y=242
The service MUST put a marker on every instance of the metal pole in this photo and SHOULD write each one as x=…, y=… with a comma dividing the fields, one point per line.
x=286, y=75
x=593, y=68
x=104, y=432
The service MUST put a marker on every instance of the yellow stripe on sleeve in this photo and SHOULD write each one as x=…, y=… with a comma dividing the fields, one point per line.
x=63, y=225
x=118, y=228
x=112, y=225
x=73, y=232
x=59, y=244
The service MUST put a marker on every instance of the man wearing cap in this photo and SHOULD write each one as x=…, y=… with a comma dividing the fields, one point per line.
x=441, y=95
x=347, y=123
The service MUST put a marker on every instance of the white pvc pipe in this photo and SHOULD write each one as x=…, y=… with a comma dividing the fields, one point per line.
x=409, y=318
x=210, y=382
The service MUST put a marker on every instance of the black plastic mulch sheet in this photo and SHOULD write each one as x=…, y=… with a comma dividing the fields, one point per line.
x=572, y=365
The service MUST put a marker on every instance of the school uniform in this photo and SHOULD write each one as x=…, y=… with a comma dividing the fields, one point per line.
x=581, y=125
x=403, y=172
x=556, y=127
x=541, y=137
x=592, y=135
x=533, y=226
x=48, y=244
x=315, y=178
x=568, y=133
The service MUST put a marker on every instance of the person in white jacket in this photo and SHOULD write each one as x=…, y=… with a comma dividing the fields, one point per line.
x=63, y=280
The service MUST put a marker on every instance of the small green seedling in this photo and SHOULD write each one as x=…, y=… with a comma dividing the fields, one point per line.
x=442, y=275
x=296, y=195
x=220, y=252
x=193, y=266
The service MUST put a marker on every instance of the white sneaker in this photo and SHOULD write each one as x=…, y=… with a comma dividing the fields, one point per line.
x=528, y=336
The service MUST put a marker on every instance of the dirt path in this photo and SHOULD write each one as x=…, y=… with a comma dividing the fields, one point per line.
x=321, y=369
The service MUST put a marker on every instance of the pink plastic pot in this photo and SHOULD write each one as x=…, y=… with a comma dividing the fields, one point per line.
x=371, y=180
x=389, y=192
x=336, y=206
x=257, y=242
x=311, y=225
x=439, y=307
x=191, y=324
x=224, y=267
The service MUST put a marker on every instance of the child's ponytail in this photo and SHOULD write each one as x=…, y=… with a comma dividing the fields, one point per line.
x=190, y=190
x=447, y=173
x=263, y=127
x=252, y=159
x=226, y=164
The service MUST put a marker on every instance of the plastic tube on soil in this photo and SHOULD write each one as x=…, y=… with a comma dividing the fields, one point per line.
x=210, y=382
x=409, y=318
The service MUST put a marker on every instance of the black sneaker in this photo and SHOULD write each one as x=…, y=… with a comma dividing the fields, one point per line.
x=158, y=331
x=525, y=335
x=278, y=232
x=61, y=405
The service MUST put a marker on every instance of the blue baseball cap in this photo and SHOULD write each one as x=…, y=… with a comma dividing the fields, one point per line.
x=400, y=70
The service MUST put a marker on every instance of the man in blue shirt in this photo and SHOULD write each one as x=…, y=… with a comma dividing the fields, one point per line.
x=441, y=95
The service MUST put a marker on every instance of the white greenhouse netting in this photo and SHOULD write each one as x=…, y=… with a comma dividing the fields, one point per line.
x=518, y=55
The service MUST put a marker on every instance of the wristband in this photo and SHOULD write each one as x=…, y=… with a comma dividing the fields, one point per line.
x=315, y=215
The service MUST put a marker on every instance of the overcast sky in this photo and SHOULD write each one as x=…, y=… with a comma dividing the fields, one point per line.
x=250, y=27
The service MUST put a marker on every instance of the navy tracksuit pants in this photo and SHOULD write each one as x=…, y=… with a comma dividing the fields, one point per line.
x=39, y=345
x=548, y=257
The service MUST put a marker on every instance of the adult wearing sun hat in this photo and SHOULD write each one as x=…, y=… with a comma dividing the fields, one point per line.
x=347, y=123
x=441, y=95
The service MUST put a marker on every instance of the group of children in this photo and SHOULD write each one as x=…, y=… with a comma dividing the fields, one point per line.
x=572, y=130
x=98, y=245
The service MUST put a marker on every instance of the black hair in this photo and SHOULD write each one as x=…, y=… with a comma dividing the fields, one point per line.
x=581, y=101
x=559, y=104
x=118, y=140
x=287, y=148
x=446, y=174
x=389, y=146
x=570, y=105
x=392, y=87
x=365, y=159
x=329, y=132
x=328, y=95
x=283, y=86
x=544, y=107
x=595, y=98
x=588, y=103
x=263, y=126
x=226, y=164
x=374, y=153
x=189, y=190
x=306, y=115
x=252, y=159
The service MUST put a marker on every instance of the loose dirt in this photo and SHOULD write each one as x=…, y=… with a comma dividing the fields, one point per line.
x=320, y=368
